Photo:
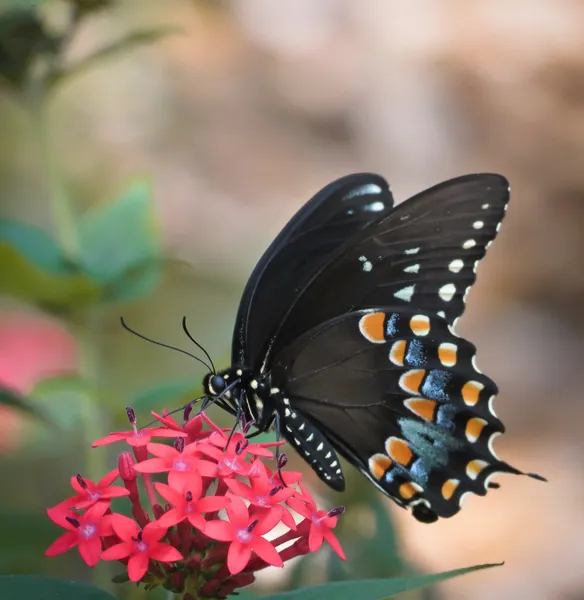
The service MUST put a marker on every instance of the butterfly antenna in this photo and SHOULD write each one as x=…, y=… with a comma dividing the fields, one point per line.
x=147, y=339
x=185, y=329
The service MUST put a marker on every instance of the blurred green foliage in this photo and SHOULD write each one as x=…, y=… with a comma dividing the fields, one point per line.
x=112, y=256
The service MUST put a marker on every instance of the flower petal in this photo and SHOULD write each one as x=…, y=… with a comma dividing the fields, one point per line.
x=163, y=450
x=170, y=494
x=112, y=438
x=170, y=518
x=212, y=503
x=137, y=566
x=221, y=531
x=257, y=450
x=334, y=543
x=164, y=553
x=62, y=544
x=97, y=511
x=124, y=527
x=115, y=491
x=287, y=518
x=237, y=512
x=167, y=421
x=266, y=551
x=153, y=532
x=90, y=551
x=58, y=513
x=268, y=520
x=117, y=552
x=299, y=507
x=153, y=465
x=240, y=489
x=315, y=538
x=166, y=433
x=197, y=521
x=108, y=479
x=238, y=556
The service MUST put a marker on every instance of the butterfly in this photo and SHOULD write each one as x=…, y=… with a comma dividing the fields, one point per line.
x=345, y=340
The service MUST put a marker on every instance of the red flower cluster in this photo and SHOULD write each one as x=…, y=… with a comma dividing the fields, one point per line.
x=185, y=546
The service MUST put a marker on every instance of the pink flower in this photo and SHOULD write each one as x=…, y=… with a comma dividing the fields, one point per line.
x=84, y=530
x=188, y=504
x=137, y=437
x=139, y=545
x=245, y=535
x=320, y=522
x=182, y=465
x=88, y=493
x=264, y=495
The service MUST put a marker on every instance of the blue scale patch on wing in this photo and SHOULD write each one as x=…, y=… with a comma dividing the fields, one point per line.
x=398, y=395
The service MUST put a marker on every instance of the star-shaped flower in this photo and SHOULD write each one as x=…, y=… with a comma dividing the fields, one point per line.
x=84, y=531
x=245, y=534
x=182, y=465
x=139, y=545
x=321, y=522
x=188, y=504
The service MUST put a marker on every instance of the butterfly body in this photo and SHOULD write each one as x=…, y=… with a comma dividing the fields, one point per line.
x=345, y=340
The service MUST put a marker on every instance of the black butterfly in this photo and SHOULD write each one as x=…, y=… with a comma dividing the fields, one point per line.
x=345, y=340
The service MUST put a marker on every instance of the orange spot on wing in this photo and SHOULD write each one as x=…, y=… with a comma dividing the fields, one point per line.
x=397, y=353
x=474, y=467
x=447, y=354
x=399, y=451
x=371, y=326
x=422, y=407
x=474, y=427
x=449, y=488
x=412, y=380
x=471, y=391
x=409, y=490
x=420, y=324
x=378, y=465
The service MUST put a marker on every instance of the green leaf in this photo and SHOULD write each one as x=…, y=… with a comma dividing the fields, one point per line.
x=13, y=399
x=132, y=40
x=35, y=269
x=17, y=587
x=62, y=399
x=373, y=589
x=121, y=246
x=168, y=395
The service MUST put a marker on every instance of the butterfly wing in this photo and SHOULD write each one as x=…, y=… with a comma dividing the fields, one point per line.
x=424, y=254
x=318, y=228
x=397, y=394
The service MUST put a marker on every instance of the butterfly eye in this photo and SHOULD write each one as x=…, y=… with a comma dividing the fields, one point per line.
x=217, y=384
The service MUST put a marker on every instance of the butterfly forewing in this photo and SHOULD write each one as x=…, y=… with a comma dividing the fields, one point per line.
x=398, y=395
x=300, y=249
x=423, y=254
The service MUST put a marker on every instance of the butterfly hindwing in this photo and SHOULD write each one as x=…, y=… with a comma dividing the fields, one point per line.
x=424, y=254
x=322, y=225
x=398, y=395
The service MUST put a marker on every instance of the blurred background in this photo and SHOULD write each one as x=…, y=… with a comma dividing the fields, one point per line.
x=234, y=122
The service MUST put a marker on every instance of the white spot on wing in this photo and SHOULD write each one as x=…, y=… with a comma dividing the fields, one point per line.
x=485, y=206
x=478, y=224
x=412, y=251
x=447, y=291
x=456, y=265
x=369, y=188
x=406, y=293
x=441, y=313
x=375, y=206
x=412, y=269
x=469, y=244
